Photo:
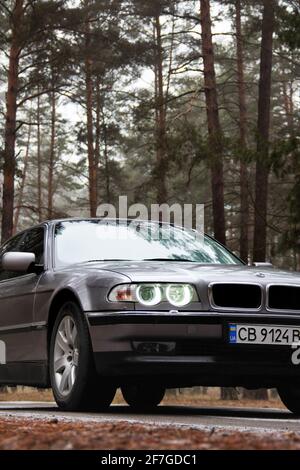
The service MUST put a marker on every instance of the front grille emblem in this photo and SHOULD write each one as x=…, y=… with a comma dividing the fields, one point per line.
x=260, y=275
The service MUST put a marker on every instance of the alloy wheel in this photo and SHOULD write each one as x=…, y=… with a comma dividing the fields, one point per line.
x=66, y=356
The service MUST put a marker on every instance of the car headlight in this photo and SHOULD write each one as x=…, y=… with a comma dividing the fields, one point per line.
x=178, y=295
x=149, y=294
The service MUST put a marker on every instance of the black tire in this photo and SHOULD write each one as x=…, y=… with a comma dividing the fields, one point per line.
x=290, y=397
x=89, y=392
x=143, y=396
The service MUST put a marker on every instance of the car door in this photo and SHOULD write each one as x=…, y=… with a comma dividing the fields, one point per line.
x=17, y=293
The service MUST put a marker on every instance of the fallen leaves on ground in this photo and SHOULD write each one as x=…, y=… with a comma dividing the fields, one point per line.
x=55, y=434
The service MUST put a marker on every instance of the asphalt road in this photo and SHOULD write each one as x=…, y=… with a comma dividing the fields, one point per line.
x=249, y=419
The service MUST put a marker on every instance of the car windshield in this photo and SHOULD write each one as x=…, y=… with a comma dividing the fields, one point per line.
x=81, y=241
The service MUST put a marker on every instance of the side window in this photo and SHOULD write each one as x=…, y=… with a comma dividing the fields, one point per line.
x=33, y=242
x=11, y=245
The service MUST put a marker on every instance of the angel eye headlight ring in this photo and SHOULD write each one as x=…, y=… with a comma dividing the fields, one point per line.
x=152, y=294
x=179, y=295
x=148, y=294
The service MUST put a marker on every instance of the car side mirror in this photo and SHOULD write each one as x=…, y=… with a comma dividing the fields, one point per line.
x=18, y=262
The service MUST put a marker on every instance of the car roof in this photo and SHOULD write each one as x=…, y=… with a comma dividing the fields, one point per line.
x=118, y=219
x=72, y=219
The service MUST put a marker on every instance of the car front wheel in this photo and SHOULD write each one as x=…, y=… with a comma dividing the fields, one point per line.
x=290, y=396
x=143, y=396
x=74, y=381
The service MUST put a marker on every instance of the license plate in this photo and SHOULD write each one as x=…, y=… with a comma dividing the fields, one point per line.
x=264, y=334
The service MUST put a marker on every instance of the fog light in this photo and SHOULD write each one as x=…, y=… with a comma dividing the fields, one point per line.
x=153, y=348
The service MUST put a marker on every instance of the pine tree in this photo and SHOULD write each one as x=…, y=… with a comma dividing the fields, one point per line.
x=214, y=125
x=263, y=132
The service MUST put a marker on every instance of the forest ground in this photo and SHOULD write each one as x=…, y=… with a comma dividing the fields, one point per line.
x=184, y=397
x=57, y=432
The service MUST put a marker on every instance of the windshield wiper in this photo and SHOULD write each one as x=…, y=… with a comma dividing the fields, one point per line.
x=169, y=259
x=136, y=260
x=105, y=260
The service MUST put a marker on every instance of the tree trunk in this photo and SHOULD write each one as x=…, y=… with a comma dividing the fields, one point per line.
x=106, y=162
x=52, y=155
x=161, y=132
x=214, y=126
x=244, y=204
x=171, y=58
x=263, y=131
x=229, y=393
x=261, y=394
x=9, y=166
x=98, y=131
x=288, y=107
x=23, y=180
x=39, y=163
x=89, y=120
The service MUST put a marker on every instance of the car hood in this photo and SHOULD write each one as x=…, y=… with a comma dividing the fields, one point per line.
x=169, y=271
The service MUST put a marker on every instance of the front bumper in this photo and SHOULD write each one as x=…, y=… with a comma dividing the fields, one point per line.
x=188, y=349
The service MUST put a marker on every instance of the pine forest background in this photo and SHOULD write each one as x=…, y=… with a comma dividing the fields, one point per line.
x=164, y=101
